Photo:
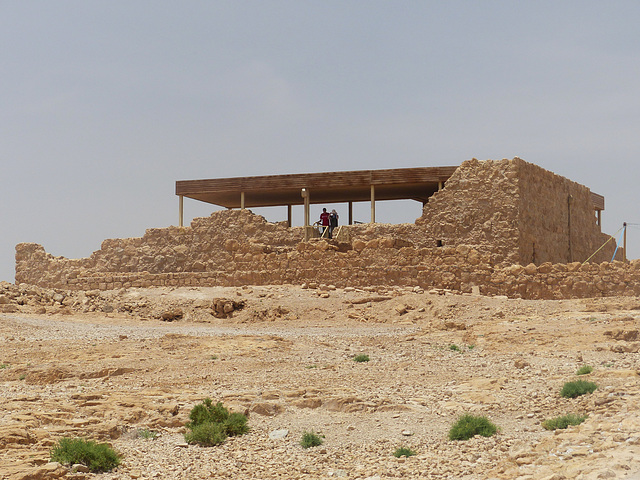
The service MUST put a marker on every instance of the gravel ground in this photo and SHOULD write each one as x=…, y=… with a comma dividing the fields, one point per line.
x=286, y=358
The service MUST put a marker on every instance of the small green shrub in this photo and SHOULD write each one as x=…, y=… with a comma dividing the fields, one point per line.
x=560, y=423
x=211, y=424
x=310, y=439
x=206, y=434
x=236, y=424
x=403, y=452
x=584, y=370
x=207, y=412
x=468, y=426
x=146, y=434
x=454, y=348
x=22, y=377
x=4, y=365
x=361, y=358
x=98, y=457
x=577, y=388
x=471, y=347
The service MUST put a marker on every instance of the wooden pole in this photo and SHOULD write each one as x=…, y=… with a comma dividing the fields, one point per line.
x=373, y=204
x=350, y=213
x=242, y=200
x=305, y=195
x=599, y=218
x=440, y=186
x=181, y=210
x=624, y=242
x=289, y=215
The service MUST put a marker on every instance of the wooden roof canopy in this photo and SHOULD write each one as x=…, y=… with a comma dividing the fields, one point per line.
x=417, y=183
x=329, y=187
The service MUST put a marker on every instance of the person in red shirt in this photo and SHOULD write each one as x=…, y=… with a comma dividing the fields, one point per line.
x=324, y=220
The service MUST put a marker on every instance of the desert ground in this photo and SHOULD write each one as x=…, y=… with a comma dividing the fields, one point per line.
x=109, y=365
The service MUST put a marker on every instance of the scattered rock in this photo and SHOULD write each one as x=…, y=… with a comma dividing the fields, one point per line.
x=79, y=467
x=171, y=315
x=267, y=409
x=278, y=434
x=224, y=307
x=625, y=335
x=360, y=301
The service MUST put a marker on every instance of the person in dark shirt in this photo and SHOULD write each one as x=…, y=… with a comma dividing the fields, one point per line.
x=333, y=222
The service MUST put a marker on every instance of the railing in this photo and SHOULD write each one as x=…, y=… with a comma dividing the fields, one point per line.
x=335, y=234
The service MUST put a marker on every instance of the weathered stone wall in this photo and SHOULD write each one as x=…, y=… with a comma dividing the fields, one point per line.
x=516, y=211
x=377, y=262
x=210, y=244
x=557, y=222
x=477, y=218
x=478, y=207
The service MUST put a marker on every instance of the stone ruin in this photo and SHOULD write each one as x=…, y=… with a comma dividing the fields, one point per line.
x=503, y=227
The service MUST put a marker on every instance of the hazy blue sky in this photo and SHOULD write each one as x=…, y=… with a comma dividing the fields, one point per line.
x=105, y=104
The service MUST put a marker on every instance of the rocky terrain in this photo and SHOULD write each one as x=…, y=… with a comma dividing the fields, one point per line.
x=108, y=365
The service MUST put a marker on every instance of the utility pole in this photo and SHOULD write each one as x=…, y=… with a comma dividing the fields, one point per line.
x=624, y=242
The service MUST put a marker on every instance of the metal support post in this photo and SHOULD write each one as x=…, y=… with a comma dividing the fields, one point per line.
x=624, y=242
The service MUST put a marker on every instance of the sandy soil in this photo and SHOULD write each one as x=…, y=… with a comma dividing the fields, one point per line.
x=286, y=358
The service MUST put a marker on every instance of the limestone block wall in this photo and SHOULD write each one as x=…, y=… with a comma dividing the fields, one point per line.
x=556, y=221
x=378, y=262
x=478, y=207
x=209, y=244
x=516, y=211
x=478, y=220
x=573, y=280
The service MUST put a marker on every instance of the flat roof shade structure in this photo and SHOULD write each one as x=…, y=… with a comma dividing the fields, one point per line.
x=329, y=187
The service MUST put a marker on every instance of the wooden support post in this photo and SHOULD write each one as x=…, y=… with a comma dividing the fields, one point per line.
x=289, y=216
x=242, y=200
x=599, y=212
x=624, y=242
x=440, y=186
x=373, y=204
x=305, y=195
x=181, y=210
x=350, y=213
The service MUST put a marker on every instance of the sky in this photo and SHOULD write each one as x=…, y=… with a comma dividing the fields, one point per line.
x=104, y=104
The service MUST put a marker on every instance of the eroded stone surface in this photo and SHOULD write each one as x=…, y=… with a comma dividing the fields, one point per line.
x=106, y=376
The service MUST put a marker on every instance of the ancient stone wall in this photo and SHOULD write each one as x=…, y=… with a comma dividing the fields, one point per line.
x=516, y=211
x=377, y=262
x=478, y=207
x=557, y=222
x=477, y=219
